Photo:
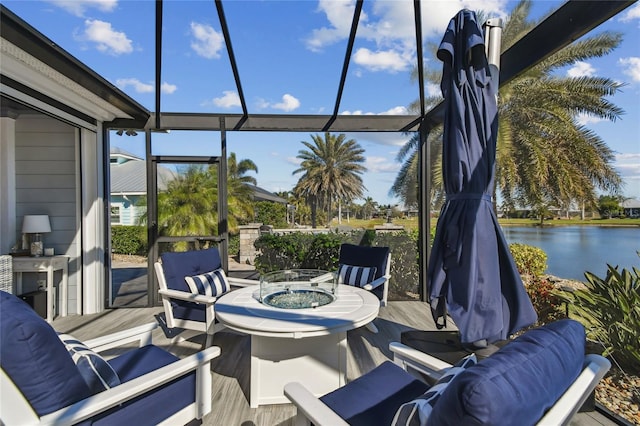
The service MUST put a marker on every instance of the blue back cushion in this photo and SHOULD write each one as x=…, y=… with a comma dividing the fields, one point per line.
x=36, y=360
x=351, y=254
x=365, y=256
x=519, y=383
x=372, y=399
x=178, y=265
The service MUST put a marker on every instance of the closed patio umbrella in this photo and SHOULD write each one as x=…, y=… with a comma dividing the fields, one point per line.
x=471, y=273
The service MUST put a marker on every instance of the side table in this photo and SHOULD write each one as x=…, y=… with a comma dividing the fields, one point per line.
x=48, y=264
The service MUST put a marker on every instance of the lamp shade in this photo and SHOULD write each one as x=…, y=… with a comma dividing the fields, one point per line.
x=36, y=224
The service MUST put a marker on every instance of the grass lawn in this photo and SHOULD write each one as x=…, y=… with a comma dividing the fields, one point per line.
x=412, y=223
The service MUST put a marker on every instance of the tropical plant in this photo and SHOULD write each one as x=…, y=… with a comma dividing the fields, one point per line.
x=530, y=260
x=239, y=190
x=543, y=153
x=331, y=169
x=610, y=310
x=608, y=206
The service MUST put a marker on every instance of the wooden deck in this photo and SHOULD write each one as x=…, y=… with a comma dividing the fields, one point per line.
x=231, y=369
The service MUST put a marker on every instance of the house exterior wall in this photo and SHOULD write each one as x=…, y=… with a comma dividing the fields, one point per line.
x=129, y=212
x=46, y=182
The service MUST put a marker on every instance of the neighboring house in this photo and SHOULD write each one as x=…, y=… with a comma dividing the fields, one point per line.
x=631, y=207
x=129, y=186
x=260, y=194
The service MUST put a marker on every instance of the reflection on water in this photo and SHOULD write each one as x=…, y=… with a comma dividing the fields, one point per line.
x=572, y=250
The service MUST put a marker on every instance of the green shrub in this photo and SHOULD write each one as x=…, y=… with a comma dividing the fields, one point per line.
x=545, y=300
x=234, y=245
x=609, y=308
x=129, y=240
x=269, y=213
x=302, y=250
x=529, y=260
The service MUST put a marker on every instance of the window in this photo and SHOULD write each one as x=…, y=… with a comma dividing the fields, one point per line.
x=115, y=214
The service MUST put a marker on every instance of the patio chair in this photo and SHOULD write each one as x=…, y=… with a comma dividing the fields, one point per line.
x=190, y=283
x=542, y=377
x=47, y=378
x=368, y=268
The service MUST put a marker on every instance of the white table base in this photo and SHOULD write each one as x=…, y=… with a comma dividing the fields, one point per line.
x=320, y=363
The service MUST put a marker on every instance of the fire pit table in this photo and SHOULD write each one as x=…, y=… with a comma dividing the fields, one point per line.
x=300, y=337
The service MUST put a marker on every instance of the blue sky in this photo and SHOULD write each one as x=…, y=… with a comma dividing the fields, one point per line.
x=290, y=55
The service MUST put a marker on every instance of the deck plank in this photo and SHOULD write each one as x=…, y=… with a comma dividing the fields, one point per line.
x=231, y=370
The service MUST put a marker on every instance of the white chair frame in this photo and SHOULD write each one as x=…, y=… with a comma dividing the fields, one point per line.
x=190, y=328
x=312, y=410
x=16, y=410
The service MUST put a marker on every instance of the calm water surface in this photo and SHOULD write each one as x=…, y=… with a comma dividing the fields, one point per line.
x=572, y=250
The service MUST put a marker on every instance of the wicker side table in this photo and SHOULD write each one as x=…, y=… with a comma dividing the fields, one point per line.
x=6, y=273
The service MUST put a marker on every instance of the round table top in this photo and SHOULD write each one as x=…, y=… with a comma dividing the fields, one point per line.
x=240, y=310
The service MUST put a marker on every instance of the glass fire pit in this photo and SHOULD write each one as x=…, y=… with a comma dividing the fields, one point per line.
x=298, y=288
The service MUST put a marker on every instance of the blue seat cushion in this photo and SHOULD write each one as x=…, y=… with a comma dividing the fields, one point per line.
x=36, y=360
x=373, y=398
x=153, y=407
x=519, y=383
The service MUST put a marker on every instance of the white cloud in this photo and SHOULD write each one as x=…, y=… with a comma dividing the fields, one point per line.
x=387, y=60
x=398, y=110
x=381, y=165
x=168, y=88
x=584, y=119
x=208, y=42
x=389, y=27
x=106, y=38
x=631, y=14
x=433, y=89
x=289, y=103
x=631, y=67
x=229, y=99
x=581, y=69
x=137, y=85
x=294, y=160
x=628, y=165
x=79, y=7
x=339, y=14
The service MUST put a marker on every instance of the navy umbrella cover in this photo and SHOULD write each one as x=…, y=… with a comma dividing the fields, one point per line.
x=472, y=275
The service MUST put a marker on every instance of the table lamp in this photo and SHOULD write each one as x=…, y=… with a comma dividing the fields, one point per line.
x=35, y=225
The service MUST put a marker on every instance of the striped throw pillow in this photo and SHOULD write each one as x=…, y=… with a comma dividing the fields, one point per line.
x=212, y=283
x=95, y=370
x=356, y=275
x=416, y=412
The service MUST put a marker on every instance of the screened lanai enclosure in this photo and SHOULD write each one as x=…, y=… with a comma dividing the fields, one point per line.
x=168, y=125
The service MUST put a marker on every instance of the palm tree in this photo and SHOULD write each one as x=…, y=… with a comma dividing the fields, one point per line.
x=369, y=207
x=189, y=206
x=543, y=154
x=240, y=194
x=331, y=170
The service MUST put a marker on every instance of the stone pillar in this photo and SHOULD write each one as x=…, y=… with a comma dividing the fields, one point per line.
x=248, y=234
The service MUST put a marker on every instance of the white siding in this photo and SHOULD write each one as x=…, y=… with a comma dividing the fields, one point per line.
x=46, y=183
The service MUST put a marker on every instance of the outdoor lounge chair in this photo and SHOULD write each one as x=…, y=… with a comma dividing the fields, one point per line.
x=47, y=378
x=542, y=377
x=368, y=268
x=190, y=305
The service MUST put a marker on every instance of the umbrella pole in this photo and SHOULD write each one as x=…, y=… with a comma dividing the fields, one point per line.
x=492, y=45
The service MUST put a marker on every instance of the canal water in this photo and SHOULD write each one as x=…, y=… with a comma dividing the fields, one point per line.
x=572, y=250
